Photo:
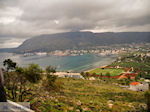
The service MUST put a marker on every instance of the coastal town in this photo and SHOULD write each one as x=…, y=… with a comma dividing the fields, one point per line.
x=99, y=50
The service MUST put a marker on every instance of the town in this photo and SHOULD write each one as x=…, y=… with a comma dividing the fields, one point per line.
x=99, y=50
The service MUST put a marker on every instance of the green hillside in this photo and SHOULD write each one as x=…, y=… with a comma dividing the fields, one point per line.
x=111, y=71
x=89, y=96
x=139, y=61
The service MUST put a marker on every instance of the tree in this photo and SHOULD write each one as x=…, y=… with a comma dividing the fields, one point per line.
x=33, y=73
x=50, y=69
x=49, y=82
x=9, y=64
x=87, y=74
x=17, y=81
x=16, y=84
x=83, y=74
x=147, y=97
x=22, y=82
x=94, y=74
x=108, y=74
x=10, y=77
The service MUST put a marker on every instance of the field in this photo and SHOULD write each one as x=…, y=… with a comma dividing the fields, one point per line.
x=111, y=71
x=89, y=96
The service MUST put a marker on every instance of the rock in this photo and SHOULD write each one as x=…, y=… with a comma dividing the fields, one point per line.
x=79, y=103
x=110, y=101
x=85, y=109
x=91, y=78
x=110, y=105
x=56, y=100
x=77, y=110
x=143, y=106
x=70, y=108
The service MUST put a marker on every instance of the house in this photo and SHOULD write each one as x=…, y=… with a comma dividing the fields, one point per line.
x=123, y=77
x=128, y=75
x=118, y=67
x=139, y=86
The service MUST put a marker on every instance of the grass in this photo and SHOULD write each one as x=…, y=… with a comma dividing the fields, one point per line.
x=88, y=96
x=112, y=71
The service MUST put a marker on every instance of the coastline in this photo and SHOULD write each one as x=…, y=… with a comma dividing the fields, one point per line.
x=75, y=64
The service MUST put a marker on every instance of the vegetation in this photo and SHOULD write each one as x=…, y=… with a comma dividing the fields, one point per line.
x=50, y=79
x=9, y=64
x=80, y=95
x=138, y=61
x=33, y=73
x=48, y=93
x=20, y=81
x=106, y=71
x=147, y=97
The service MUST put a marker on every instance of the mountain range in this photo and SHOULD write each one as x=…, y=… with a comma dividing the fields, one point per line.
x=80, y=40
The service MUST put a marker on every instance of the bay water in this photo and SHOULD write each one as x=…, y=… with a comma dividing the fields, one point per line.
x=62, y=63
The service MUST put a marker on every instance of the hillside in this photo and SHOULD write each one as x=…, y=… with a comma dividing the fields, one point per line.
x=138, y=61
x=80, y=40
x=89, y=96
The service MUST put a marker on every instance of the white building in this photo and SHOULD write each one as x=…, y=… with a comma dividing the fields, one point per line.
x=72, y=75
x=137, y=86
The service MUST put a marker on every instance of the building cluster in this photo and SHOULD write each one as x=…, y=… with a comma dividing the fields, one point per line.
x=99, y=50
x=139, y=86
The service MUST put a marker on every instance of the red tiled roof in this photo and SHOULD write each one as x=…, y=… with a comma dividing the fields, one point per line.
x=123, y=77
x=134, y=83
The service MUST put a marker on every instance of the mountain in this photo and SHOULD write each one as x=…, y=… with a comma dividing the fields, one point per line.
x=79, y=40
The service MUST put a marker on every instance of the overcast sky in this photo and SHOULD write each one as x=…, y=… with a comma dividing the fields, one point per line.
x=21, y=19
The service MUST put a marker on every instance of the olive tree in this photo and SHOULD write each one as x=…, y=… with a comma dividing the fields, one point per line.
x=33, y=73
x=9, y=64
x=49, y=83
x=18, y=79
x=147, y=97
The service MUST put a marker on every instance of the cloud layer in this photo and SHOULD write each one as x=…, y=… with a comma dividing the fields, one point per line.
x=25, y=18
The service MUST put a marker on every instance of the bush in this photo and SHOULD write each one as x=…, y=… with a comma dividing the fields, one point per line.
x=50, y=69
x=147, y=97
x=50, y=82
x=33, y=73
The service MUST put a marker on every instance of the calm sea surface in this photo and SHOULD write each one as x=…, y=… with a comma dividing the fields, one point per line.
x=62, y=63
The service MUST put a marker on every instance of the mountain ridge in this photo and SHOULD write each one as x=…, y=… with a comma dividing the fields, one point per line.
x=80, y=40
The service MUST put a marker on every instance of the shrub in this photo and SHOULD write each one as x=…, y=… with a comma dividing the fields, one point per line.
x=147, y=97
x=33, y=73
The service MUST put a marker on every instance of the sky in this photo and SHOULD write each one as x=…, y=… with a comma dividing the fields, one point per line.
x=22, y=19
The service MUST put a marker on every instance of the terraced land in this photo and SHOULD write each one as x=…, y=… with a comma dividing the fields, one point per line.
x=105, y=71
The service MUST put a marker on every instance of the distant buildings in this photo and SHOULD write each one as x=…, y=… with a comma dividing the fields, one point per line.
x=129, y=75
x=98, y=50
x=68, y=74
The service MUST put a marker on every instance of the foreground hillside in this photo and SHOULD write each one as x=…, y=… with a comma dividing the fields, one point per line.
x=80, y=40
x=79, y=95
x=49, y=93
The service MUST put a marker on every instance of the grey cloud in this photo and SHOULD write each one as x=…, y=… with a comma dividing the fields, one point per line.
x=40, y=16
x=7, y=42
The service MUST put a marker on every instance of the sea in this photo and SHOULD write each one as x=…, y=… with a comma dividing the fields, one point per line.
x=62, y=63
